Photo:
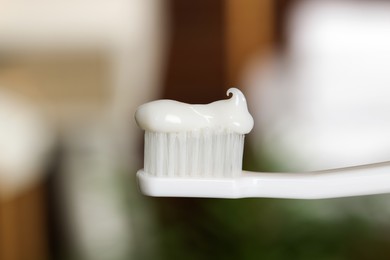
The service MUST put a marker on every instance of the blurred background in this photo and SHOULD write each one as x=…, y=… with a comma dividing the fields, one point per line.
x=72, y=73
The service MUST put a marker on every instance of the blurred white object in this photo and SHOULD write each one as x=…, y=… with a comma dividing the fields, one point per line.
x=325, y=104
x=66, y=24
x=25, y=142
x=98, y=146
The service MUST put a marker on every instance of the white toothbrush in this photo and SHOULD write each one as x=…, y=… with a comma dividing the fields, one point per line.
x=196, y=151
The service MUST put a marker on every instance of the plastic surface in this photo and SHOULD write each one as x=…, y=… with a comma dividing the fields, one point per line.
x=345, y=182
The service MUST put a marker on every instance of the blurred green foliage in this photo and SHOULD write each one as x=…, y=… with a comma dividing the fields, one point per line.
x=261, y=229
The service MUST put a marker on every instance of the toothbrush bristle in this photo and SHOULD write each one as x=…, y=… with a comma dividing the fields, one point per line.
x=203, y=153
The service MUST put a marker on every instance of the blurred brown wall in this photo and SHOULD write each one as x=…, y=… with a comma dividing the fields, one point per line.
x=23, y=226
x=195, y=69
x=250, y=30
x=211, y=42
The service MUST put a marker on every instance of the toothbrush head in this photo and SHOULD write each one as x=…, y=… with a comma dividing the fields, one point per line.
x=185, y=141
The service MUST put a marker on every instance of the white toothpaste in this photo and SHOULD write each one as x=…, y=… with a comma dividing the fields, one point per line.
x=173, y=116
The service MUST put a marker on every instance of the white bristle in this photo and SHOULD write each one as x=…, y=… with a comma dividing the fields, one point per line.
x=203, y=153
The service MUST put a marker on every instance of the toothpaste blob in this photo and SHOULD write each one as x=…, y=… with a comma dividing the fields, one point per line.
x=172, y=116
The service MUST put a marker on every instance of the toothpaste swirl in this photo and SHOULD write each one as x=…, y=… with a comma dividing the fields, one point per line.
x=173, y=116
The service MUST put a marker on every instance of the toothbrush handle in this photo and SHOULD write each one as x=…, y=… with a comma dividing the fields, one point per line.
x=344, y=182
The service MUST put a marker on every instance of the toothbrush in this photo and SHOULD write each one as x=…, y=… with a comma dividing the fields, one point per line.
x=197, y=150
